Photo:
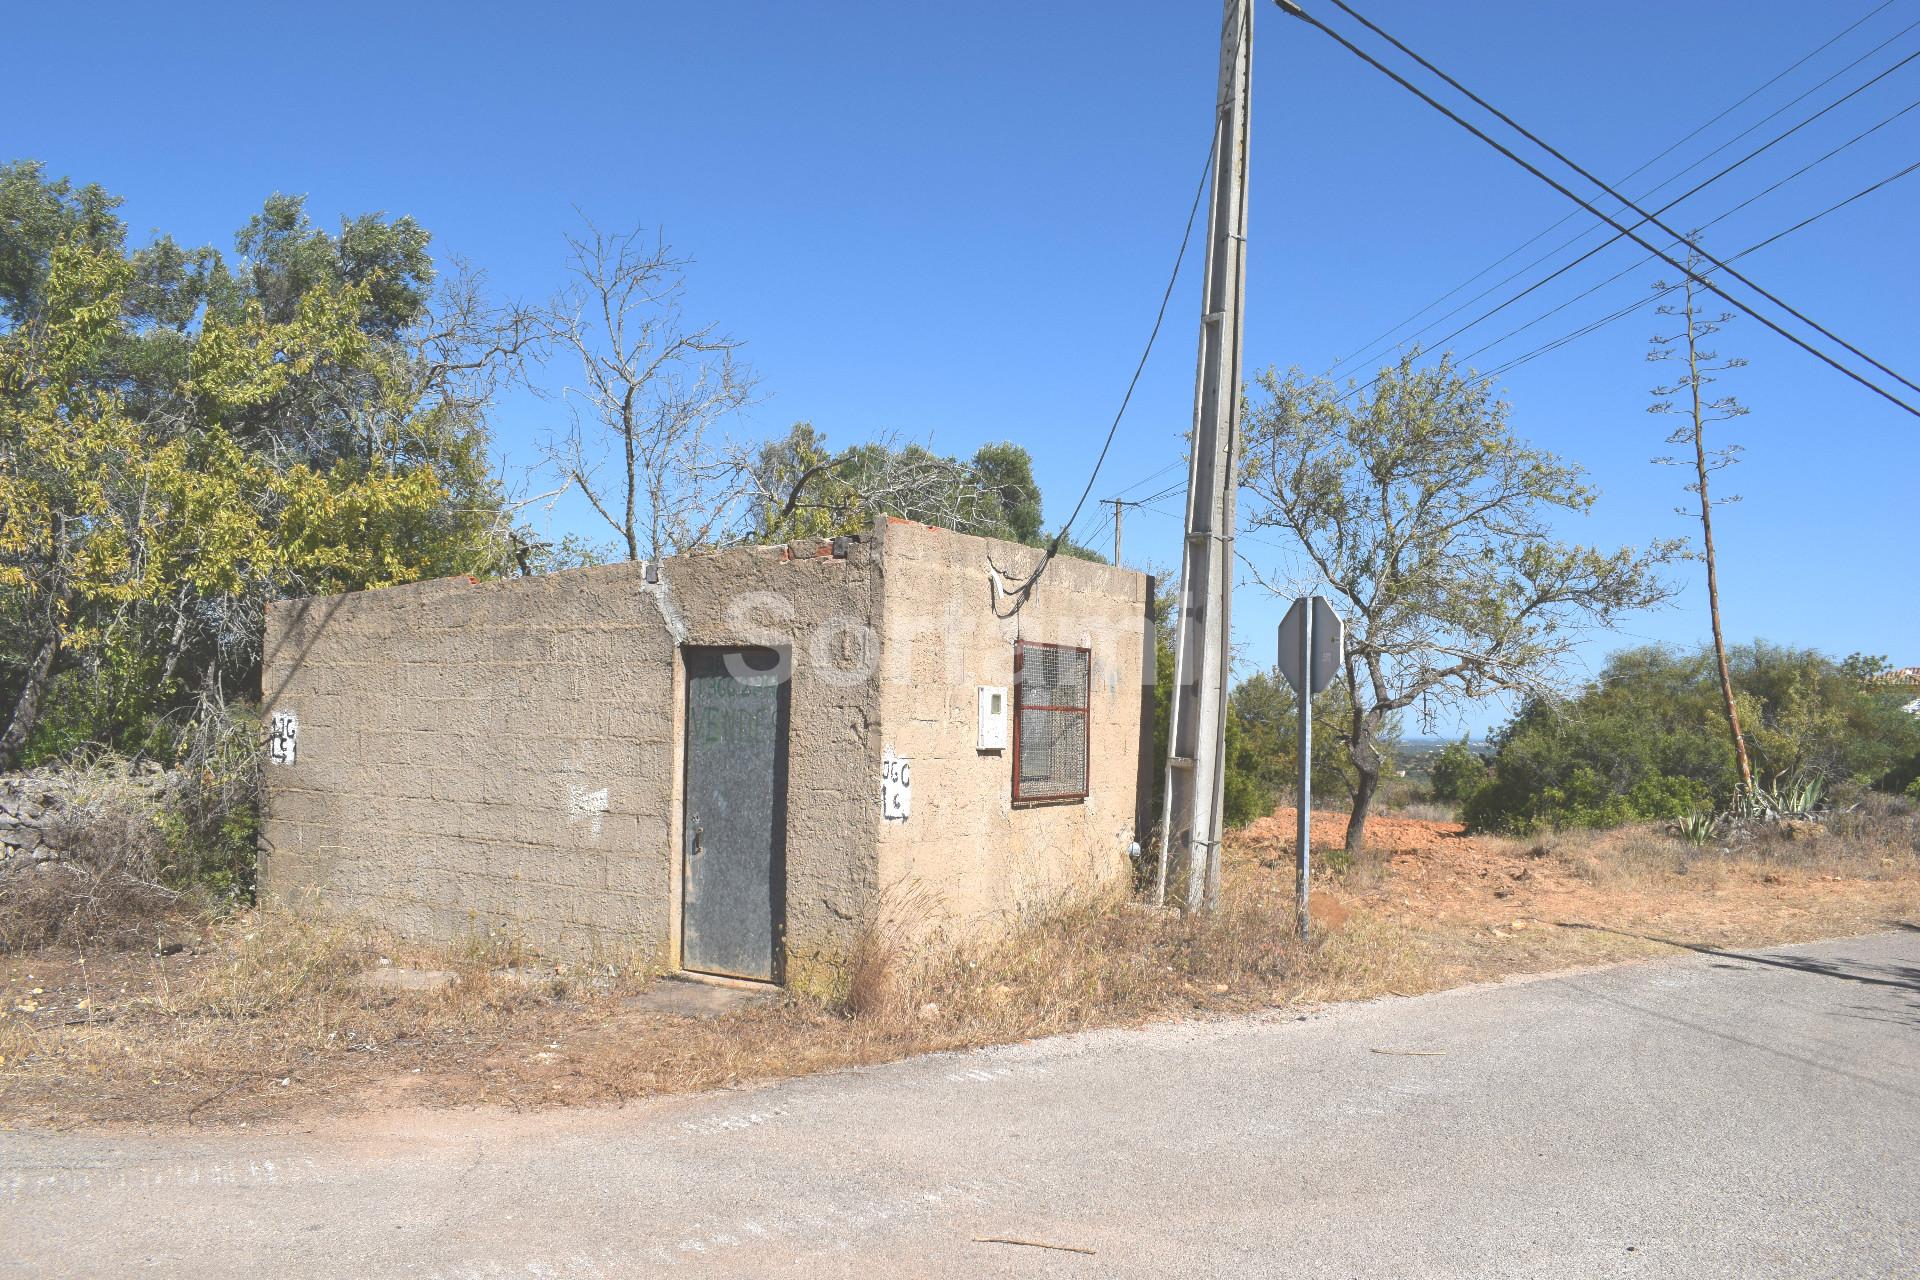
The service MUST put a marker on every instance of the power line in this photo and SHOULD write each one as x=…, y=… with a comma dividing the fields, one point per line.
x=1623, y=234
x=1535, y=238
x=1292, y=8
x=1159, y=317
x=1167, y=492
x=1238, y=536
x=1604, y=321
x=1083, y=533
x=1864, y=191
x=1720, y=217
x=1120, y=505
x=1556, y=343
x=1156, y=473
x=1148, y=504
x=1153, y=475
x=1692, y=245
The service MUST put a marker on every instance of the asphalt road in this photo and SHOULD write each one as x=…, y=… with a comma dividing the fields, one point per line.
x=1712, y=1115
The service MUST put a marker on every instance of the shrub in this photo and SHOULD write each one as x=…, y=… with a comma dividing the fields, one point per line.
x=115, y=702
x=211, y=809
x=1249, y=790
x=1457, y=773
x=1648, y=739
x=132, y=839
x=1262, y=755
x=106, y=886
x=1665, y=796
x=1902, y=778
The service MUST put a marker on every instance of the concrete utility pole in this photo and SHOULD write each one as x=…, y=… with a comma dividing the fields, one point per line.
x=1119, y=505
x=1196, y=754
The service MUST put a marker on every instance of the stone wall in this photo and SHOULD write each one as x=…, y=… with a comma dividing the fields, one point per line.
x=40, y=813
x=29, y=807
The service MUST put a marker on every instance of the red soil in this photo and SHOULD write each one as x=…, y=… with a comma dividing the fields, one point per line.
x=1416, y=871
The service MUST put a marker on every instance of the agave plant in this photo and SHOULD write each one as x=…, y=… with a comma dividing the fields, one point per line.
x=1801, y=798
x=1795, y=799
x=1696, y=828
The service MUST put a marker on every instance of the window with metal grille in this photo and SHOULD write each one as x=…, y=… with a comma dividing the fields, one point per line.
x=1050, y=687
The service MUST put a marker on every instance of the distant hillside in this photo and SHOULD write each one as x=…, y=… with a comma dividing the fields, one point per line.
x=1414, y=760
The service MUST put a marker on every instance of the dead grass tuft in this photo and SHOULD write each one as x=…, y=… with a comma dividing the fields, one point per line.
x=1427, y=811
x=106, y=887
x=273, y=1012
x=872, y=984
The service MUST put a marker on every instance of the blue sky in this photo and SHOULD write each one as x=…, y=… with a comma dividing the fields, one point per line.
x=953, y=222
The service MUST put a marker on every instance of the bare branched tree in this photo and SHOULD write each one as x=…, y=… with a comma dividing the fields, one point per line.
x=1696, y=414
x=644, y=443
x=468, y=347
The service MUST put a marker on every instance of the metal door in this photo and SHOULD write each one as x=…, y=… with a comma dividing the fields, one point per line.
x=734, y=842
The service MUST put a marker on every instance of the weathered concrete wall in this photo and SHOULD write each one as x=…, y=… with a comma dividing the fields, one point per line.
x=506, y=755
x=967, y=856
x=509, y=755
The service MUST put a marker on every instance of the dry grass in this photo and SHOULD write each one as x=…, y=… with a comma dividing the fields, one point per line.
x=268, y=1009
x=1474, y=908
x=268, y=1014
x=1428, y=811
x=105, y=891
x=1877, y=840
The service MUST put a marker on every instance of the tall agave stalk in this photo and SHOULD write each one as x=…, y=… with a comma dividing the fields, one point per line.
x=1697, y=413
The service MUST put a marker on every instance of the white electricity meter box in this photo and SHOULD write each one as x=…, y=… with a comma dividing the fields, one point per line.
x=993, y=718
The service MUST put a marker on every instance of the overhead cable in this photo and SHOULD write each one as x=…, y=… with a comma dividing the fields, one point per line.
x=1293, y=9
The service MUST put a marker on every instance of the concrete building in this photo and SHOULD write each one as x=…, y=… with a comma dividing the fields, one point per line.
x=728, y=758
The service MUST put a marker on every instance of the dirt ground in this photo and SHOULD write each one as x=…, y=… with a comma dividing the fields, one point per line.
x=1634, y=884
x=263, y=1016
x=1434, y=872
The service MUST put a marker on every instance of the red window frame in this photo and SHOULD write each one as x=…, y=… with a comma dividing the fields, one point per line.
x=1084, y=711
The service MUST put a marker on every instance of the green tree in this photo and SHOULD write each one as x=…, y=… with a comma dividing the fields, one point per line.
x=1262, y=740
x=1428, y=520
x=39, y=215
x=1005, y=471
x=287, y=258
x=66, y=450
x=1266, y=711
x=803, y=488
x=1457, y=773
x=179, y=444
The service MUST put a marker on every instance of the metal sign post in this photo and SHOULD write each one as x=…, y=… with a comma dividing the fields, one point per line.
x=1312, y=643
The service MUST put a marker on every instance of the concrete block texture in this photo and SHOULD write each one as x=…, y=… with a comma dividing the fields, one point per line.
x=968, y=858
x=508, y=755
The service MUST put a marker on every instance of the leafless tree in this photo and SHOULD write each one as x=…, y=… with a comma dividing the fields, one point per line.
x=1696, y=414
x=468, y=347
x=644, y=442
